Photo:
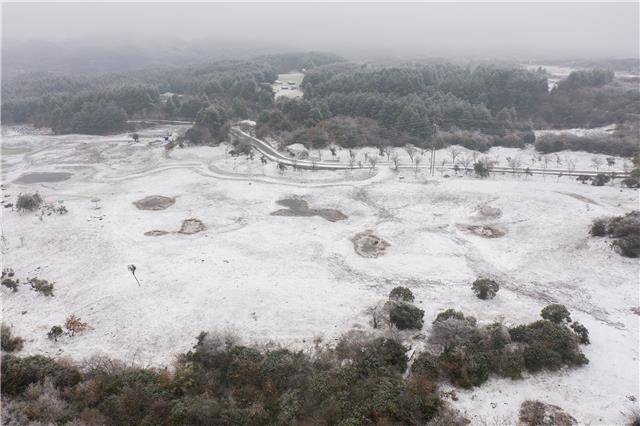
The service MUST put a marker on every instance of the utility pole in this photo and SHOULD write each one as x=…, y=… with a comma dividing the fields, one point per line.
x=432, y=167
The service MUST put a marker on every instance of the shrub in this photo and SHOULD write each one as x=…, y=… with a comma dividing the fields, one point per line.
x=426, y=364
x=465, y=367
x=406, y=316
x=54, y=333
x=583, y=178
x=481, y=169
x=453, y=332
x=11, y=283
x=630, y=182
x=485, y=288
x=536, y=413
x=628, y=246
x=598, y=228
x=548, y=345
x=582, y=332
x=74, y=325
x=19, y=373
x=402, y=294
x=382, y=353
x=621, y=226
x=600, y=179
x=556, y=313
x=452, y=313
x=41, y=286
x=28, y=202
x=10, y=343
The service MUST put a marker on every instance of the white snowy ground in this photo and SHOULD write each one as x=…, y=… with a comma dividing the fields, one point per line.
x=282, y=88
x=291, y=279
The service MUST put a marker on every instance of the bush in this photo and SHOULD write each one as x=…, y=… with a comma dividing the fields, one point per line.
x=19, y=373
x=406, y=316
x=54, y=333
x=10, y=283
x=600, y=179
x=485, y=288
x=452, y=313
x=74, y=325
x=536, y=413
x=583, y=178
x=630, y=182
x=28, y=202
x=10, y=343
x=382, y=353
x=402, y=294
x=628, y=246
x=41, y=286
x=582, y=332
x=598, y=228
x=548, y=345
x=426, y=364
x=481, y=169
x=453, y=331
x=465, y=367
x=556, y=313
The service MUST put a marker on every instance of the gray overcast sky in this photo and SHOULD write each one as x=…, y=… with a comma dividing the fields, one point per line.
x=434, y=29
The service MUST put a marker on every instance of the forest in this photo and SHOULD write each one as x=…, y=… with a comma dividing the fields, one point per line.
x=345, y=103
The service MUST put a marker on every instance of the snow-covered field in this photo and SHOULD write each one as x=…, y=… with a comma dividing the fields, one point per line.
x=292, y=279
x=283, y=86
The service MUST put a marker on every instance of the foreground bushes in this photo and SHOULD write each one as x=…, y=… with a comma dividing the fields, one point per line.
x=222, y=382
x=362, y=380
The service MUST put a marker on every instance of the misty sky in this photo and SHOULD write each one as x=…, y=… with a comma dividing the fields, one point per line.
x=430, y=29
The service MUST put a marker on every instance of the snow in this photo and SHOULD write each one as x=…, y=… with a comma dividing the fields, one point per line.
x=291, y=279
x=282, y=88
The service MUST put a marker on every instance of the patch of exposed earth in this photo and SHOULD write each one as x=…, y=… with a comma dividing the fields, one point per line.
x=300, y=208
x=155, y=202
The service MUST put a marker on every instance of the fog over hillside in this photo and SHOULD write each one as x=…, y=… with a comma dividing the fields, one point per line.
x=133, y=35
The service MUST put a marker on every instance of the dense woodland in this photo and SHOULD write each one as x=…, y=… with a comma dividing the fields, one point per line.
x=345, y=103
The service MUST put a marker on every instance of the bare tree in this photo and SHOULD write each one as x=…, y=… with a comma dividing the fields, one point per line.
x=454, y=152
x=411, y=151
x=558, y=160
x=611, y=161
x=442, y=164
x=388, y=151
x=332, y=149
x=416, y=161
x=597, y=162
x=467, y=161
x=395, y=159
x=545, y=165
x=571, y=164
x=373, y=160
x=514, y=163
x=352, y=159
